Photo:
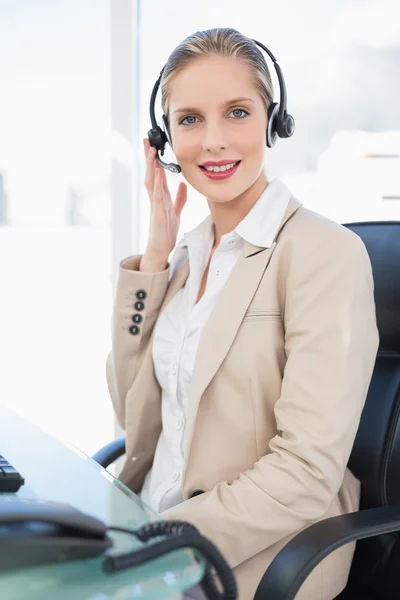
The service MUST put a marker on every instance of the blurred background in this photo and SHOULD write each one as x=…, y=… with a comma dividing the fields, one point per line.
x=75, y=81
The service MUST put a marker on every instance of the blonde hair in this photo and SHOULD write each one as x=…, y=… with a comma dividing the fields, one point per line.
x=222, y=42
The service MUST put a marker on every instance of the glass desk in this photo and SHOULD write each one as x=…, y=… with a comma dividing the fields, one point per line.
x=58, y=472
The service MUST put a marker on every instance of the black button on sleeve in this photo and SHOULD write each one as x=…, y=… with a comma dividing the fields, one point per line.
x=141, y=294
x=134, y=330
x=137, y=318
x=139, y=305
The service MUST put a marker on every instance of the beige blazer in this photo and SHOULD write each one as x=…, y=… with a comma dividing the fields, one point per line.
x=281, y=377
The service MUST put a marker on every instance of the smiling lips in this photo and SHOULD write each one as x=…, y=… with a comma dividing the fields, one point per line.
x=219, y=169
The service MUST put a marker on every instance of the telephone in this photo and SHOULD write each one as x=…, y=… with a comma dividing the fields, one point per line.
x=38, y=532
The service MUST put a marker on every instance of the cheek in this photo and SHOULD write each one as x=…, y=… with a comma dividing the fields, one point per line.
x=254, y=142
x=185, y=147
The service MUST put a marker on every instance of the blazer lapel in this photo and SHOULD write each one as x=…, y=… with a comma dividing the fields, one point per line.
x=224, y=322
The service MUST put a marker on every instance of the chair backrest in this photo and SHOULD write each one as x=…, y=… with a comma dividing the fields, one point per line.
x=375, y=458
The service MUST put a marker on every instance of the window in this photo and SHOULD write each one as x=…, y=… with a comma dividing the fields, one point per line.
x=55, y=242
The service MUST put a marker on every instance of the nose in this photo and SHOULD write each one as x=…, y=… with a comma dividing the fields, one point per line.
x=214, y=139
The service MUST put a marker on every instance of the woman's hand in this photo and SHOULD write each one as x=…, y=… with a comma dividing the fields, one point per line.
x=164, y=215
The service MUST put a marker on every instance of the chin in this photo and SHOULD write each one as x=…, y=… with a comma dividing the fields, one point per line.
x=225, y=192
x=216, y=191
x=223, y=197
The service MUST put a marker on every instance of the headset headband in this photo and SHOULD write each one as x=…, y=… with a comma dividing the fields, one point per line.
x=280, y=123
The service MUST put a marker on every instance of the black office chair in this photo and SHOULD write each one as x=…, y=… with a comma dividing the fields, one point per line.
x=375, y=460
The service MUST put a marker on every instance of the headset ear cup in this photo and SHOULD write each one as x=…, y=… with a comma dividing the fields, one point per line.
x=157, y=138
x=271, y=127
x=166, y=129
x=288, y=126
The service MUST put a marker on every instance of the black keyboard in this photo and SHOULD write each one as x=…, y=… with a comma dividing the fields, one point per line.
x=10, y=479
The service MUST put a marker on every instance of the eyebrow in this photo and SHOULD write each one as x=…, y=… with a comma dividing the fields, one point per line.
x=227, y=103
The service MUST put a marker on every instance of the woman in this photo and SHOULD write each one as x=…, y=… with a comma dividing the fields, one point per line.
x=239, y=369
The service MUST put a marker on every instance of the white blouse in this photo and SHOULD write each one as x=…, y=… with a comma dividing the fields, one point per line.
x=179, y=327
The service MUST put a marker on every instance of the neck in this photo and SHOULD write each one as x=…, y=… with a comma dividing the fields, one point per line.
x=227, y=215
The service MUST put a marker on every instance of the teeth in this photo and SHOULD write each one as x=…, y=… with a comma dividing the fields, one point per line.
x=220, y=169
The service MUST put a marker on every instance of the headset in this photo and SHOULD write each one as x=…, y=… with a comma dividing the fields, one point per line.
x=280, y=123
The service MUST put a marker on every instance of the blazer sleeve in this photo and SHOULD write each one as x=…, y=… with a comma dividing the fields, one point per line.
x=128, y=345
x=331, y=341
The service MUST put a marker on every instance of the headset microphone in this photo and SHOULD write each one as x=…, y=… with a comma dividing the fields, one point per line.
x=280, y=122
x=173, y=167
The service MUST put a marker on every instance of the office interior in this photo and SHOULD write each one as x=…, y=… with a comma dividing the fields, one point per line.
x=76, y=78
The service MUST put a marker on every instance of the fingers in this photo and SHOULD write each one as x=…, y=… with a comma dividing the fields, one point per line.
x=156, y=181
x=146, y=145
x=150, y=154
x=181, y=197
x=157, y=189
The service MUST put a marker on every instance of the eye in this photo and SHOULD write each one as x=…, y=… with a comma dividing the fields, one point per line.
x=239, y=110
x=189, y=120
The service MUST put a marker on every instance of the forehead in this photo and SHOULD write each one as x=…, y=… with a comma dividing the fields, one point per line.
x=211, y=80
